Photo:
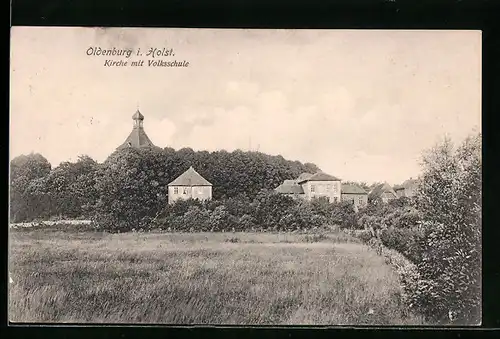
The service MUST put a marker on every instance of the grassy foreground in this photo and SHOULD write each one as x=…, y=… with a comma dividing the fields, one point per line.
x=200, y=278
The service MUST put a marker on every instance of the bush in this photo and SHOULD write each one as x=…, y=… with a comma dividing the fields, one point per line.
x=449, y=199
x=220, y=220
x=343, y=214
x=270, y=208
x=363, y=235
x=405, y=241
x=315, y=237
x=245, y=223
x=301, y=216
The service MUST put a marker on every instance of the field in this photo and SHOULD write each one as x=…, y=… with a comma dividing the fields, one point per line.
x=76, y=276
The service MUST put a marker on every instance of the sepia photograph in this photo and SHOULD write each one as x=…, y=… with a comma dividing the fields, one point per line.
x=251, y=177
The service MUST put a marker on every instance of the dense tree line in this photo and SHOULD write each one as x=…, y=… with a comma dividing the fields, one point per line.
x=73, y=190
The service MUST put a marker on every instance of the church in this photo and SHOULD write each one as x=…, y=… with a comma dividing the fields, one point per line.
x=189, y=185
x=138, y=137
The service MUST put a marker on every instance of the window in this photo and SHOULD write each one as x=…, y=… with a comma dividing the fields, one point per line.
x=335, y=199
x=313, y=188
x=185, y=190
x=360, y=200
x=200, y=190
x=328, y=188
x=176, y=190
x=334, y=188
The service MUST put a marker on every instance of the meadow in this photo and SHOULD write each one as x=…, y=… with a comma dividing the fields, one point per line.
x=72, y=275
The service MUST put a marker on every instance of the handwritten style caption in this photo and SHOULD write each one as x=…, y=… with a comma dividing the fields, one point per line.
x=123, y=57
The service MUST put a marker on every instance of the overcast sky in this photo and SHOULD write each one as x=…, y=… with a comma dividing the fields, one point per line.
x=360, y=104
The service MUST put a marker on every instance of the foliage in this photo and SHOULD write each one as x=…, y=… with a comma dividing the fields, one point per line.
x=27, y=173
x=300, y=216
x=221, y=219
x=404, y=240
x=450, y=202
x=29, y=166
x=132, y=189
x=195, y=218
x=270, y=207
x=72, y=189
x=344, y=214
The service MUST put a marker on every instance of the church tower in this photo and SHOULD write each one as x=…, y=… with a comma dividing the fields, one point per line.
x=138, y=137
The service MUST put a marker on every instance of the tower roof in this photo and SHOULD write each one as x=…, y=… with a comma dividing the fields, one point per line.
x=190, y=178
x=138, y=137
x=138, y=116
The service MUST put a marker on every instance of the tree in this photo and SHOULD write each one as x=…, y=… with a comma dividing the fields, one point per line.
x=132, y=189
x=71, y=187
x=31, y=166
x=270, y=207
x=311, y=168
x=449, y=199
x=24, y=170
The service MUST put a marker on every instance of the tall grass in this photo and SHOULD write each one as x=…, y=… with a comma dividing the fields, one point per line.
x=200, y=278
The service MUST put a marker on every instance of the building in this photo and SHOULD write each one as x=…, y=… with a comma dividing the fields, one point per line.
x=291, y=188
x=320, y=185
x=138, y=137
x=384, y=192
x=308, y=186
x=407, y=189
x=356, y=194
x=189, y=185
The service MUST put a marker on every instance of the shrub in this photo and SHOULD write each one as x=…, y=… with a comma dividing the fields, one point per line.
x=270, y=207
x=449, y=199
x=198, y=218
x=343, y=214
x=301, y=216
x=405, y=241
x=363, y=235
x=245, y=223
x=315, y=237
x=220, y=219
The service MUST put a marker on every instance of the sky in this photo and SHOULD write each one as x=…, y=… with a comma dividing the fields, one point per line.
x=361, y=104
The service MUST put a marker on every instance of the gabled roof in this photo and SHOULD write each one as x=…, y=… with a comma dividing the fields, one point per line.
x=304, y=176
x=380, y=189
x=320, y=176
x=406, y=184
x=289, y=187
x=410, y=183
x=352, y=189
x=190, y=178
